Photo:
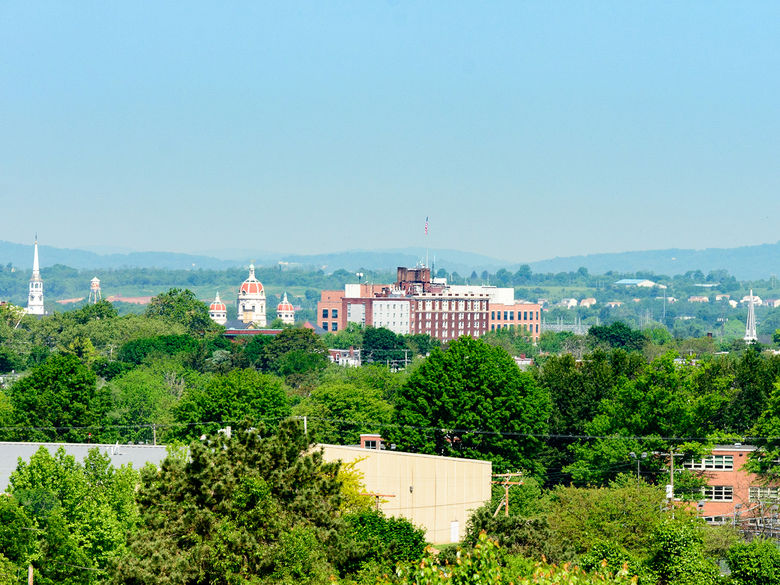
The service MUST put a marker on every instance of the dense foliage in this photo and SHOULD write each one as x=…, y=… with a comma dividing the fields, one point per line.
x=592, y=425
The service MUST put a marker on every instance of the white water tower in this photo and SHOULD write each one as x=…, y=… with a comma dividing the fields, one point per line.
x=94, y=290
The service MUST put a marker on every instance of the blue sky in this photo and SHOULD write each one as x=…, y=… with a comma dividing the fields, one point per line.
x=525, y=130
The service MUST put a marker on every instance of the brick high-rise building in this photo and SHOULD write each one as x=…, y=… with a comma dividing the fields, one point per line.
x=416, y=303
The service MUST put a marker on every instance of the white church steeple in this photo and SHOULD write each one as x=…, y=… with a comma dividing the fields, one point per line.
x=35, y=296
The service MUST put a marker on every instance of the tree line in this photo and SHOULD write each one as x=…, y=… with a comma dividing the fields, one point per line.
x=569, y=423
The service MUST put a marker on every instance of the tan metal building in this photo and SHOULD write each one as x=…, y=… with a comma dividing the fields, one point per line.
x=435, y=493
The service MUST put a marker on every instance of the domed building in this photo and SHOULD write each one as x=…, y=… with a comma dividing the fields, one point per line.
x=218, y=311
x=251, y=300
x=285, y=311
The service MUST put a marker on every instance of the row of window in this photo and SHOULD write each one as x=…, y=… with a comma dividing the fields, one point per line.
x=334, y=313
x=725, y=493
x=333, y=326
x=758, y=492
x=718, y=493
x=454, y=305
x=524, y=326
x=510, y=315
x=455, y=317
x=716, y=462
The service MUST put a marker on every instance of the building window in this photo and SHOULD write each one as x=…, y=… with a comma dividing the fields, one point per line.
x=714, y=462
x=492, y=314
x=505, y=319
x=324, y=313
x=512, y=315
x=525, y=315
x=760, y=492
x=325, y=325
x=334, y=314
x=334, y=326
x=718, y=493
x=492, y=327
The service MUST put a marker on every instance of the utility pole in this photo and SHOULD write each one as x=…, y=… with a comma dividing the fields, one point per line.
x=506, y=482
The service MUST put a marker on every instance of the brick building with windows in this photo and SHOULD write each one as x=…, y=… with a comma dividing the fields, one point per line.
x=522, y=316
x=415, y=303
x=732, y=494
x=328, y=309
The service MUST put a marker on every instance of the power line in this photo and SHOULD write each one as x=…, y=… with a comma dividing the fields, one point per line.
x=384, y=425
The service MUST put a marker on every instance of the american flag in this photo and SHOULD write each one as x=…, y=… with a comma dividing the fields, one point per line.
x=426, y=225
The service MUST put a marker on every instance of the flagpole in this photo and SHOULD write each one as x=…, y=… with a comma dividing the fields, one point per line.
x=427, y=265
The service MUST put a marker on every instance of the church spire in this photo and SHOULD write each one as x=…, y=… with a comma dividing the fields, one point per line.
x=35, y=296
x=36, y=271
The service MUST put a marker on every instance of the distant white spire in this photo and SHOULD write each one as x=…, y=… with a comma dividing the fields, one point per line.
x=35, y=296
x=750, y=326
x=36, y=271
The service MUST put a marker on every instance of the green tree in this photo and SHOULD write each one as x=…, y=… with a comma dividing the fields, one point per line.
x=379, y=542
x=82, y=513
x=137, y=350
x=618, y=335
x=487, y=563
x=90, y=312
x=678, y=557
x=755, y=376
x=350, y=336
x=295, y=351
x=254, y=507
x=147, y=396
x=230, y=399
x=422, y=344
x=59, y=400
x=666, y=400
x=755, y=563
x=181, y=306
x=10, y=361
x=381, y=345
x=625, y=513
x=473, y=401
x=17, y=539
x=341, y=411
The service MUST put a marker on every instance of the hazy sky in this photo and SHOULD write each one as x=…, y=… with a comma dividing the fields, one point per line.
x=525, y=130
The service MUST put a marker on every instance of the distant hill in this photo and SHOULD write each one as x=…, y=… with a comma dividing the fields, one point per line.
x=21, y=255
x=745, y=263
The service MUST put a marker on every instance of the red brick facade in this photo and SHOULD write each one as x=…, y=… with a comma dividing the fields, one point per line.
x=525, y=316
